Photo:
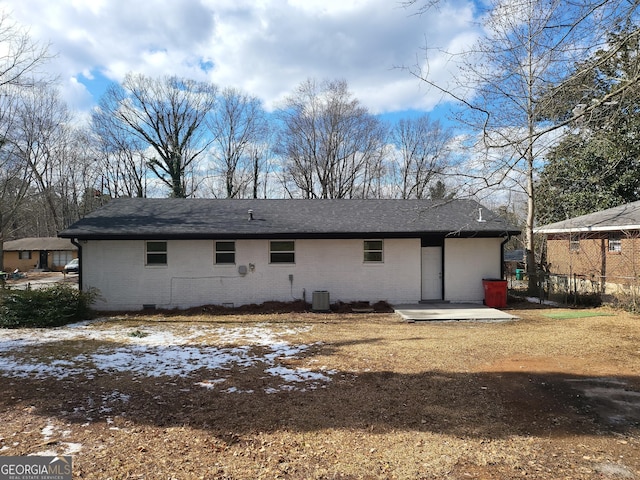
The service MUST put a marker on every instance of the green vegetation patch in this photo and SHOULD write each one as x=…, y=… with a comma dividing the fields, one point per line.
x=48, y=307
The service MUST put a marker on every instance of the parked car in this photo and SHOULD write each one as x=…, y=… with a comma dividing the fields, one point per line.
x=72, y=267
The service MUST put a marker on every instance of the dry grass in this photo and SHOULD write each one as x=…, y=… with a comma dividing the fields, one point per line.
x=426, y=400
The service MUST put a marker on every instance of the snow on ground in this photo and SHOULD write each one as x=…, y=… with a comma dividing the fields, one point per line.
x=68, y=448
x=156, y=350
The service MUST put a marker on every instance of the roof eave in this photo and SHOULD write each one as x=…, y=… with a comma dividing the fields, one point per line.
x=606, y=228
x=286, y=235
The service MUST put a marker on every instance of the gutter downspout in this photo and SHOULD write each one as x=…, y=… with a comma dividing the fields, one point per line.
x=75, y=242
x=502, y=276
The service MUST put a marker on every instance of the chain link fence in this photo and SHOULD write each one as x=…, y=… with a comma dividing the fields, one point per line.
x=580, y=289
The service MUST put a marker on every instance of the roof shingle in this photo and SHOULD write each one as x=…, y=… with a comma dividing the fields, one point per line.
x=137, y=218
x=623, y=217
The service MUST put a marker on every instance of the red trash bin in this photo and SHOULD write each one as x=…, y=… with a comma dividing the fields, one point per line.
x=495, y=293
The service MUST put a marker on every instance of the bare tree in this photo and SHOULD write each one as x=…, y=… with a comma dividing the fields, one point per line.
x=238, y=126
x=15, y=177
x=422, y=152
x=328, y=139
x=39, y=139
x=80, y=177
x=21, y=57
x=20, y=61
x=54, y=160
x=259, y=155
x=122, y=161
x=168, y=114
x=528, y=46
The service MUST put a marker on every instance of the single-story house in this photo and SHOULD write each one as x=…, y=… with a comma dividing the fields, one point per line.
x=179, y=253
x=603, y=246
x=38, y=253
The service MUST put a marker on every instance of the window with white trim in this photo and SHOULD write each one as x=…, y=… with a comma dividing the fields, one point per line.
x=373, y=250
x=574, y=243
x=615, y=244
x=156, y=253
x=225, y=253
x=282, y=251
x=62, y=257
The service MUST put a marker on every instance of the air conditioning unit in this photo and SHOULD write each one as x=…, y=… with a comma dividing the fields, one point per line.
x=320, y=301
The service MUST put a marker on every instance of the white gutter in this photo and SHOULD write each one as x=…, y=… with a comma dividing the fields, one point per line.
x=588, y=229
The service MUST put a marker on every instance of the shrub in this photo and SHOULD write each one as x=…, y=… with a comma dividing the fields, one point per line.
x=49, y=307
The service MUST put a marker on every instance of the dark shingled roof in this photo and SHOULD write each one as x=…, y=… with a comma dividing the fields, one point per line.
x=623, y=217
x=137, y=218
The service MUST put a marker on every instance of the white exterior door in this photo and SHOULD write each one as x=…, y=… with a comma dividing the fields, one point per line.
x=432, y=273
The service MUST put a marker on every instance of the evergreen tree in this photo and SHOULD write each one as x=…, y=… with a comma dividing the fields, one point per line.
x=596, y=163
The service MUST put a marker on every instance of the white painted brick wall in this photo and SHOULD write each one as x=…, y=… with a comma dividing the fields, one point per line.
x=117, y=270
x=467, y=262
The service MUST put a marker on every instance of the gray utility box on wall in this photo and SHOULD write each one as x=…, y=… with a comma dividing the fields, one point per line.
x=320, y=301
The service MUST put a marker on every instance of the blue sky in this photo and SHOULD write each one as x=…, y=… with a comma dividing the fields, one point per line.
x=264, y=47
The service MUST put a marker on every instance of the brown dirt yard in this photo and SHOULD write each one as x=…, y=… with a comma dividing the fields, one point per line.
x=324, y=396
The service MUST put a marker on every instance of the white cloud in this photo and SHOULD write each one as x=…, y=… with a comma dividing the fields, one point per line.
x=264, y=47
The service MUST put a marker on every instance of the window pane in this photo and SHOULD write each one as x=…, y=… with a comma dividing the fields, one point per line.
x=61, y=258
x=156, y=246
x=225, y=246
x=373, y=244
x=225, y=257
x=156, y=259
x=372, y=256
x=282, y=246
x=282, y=257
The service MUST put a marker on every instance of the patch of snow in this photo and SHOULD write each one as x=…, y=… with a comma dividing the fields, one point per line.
x=48, y=431
x=155, y=350
x=210, y=384
x=237, y=390
x=68, y=448
x=71, y=448
x=542, y=302
x=44, y=453
x=297, y=375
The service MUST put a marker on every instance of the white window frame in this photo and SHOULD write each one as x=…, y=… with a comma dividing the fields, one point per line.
x=574, y=242
x=61, y=257
x=223, y=253
x=158, y=253
x=273, y=252
x=369, y=252
x=614, y=244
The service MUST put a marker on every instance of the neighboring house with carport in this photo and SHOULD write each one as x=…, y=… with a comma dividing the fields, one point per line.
x=601, y=247
x=38, y=253
x=180, y=253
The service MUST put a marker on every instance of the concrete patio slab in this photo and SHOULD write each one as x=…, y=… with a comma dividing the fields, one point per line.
x=451, y=312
